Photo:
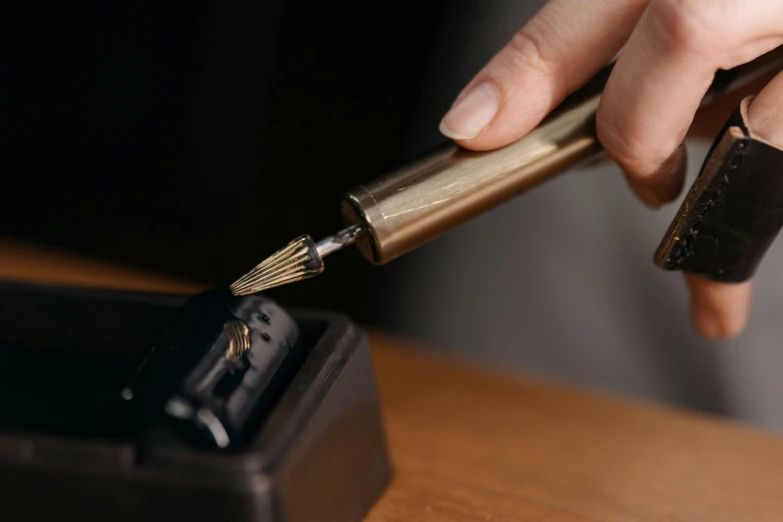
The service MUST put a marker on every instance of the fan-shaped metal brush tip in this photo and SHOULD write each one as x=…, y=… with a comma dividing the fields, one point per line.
x=298, y=260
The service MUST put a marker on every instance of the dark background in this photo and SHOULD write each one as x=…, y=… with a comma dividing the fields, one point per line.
x=196, y=138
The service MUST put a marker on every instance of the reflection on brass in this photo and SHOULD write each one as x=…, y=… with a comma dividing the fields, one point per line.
x=419, y=202
x=238, y=339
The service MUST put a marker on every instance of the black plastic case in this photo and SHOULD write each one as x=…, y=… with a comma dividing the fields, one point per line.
x=319, y=454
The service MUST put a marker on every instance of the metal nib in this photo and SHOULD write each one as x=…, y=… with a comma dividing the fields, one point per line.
x=300, y=259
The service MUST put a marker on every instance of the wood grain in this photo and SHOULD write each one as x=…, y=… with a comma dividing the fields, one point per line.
x=474, y=444
x=21, y=261
x=478, y=445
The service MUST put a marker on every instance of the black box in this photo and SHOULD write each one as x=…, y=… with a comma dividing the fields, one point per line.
x=319, y=454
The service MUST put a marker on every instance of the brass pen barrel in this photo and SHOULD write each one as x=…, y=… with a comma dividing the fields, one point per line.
x=420, y=201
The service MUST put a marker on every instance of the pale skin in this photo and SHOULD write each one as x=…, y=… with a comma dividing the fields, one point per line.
x=670, y=51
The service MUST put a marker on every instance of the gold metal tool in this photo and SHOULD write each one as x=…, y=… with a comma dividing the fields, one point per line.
x=401, y=211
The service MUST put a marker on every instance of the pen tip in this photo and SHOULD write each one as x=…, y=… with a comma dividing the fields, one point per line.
x=298, y=260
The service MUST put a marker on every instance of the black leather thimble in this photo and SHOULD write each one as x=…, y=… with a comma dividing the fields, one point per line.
x=733, y=211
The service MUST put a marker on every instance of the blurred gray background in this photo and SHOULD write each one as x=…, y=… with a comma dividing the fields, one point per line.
x=560, y=281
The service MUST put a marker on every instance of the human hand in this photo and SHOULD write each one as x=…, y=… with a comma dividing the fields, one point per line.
x=670, y=51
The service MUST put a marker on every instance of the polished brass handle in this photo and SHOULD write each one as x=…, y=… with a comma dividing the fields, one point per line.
x=418, y=202
x=412, y=205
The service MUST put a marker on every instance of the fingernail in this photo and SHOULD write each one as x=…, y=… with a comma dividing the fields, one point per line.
x=471, y=114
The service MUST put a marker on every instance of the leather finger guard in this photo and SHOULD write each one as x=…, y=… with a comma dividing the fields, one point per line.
x=733, y=211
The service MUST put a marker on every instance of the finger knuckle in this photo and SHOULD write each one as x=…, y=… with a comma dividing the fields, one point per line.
x=687, y=25
x=621, y=146
x=531, y=52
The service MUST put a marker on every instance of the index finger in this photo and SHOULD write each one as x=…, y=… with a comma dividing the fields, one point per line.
x=555, y=53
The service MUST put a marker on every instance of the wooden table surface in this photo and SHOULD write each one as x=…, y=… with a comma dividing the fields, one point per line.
x=470, y=444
